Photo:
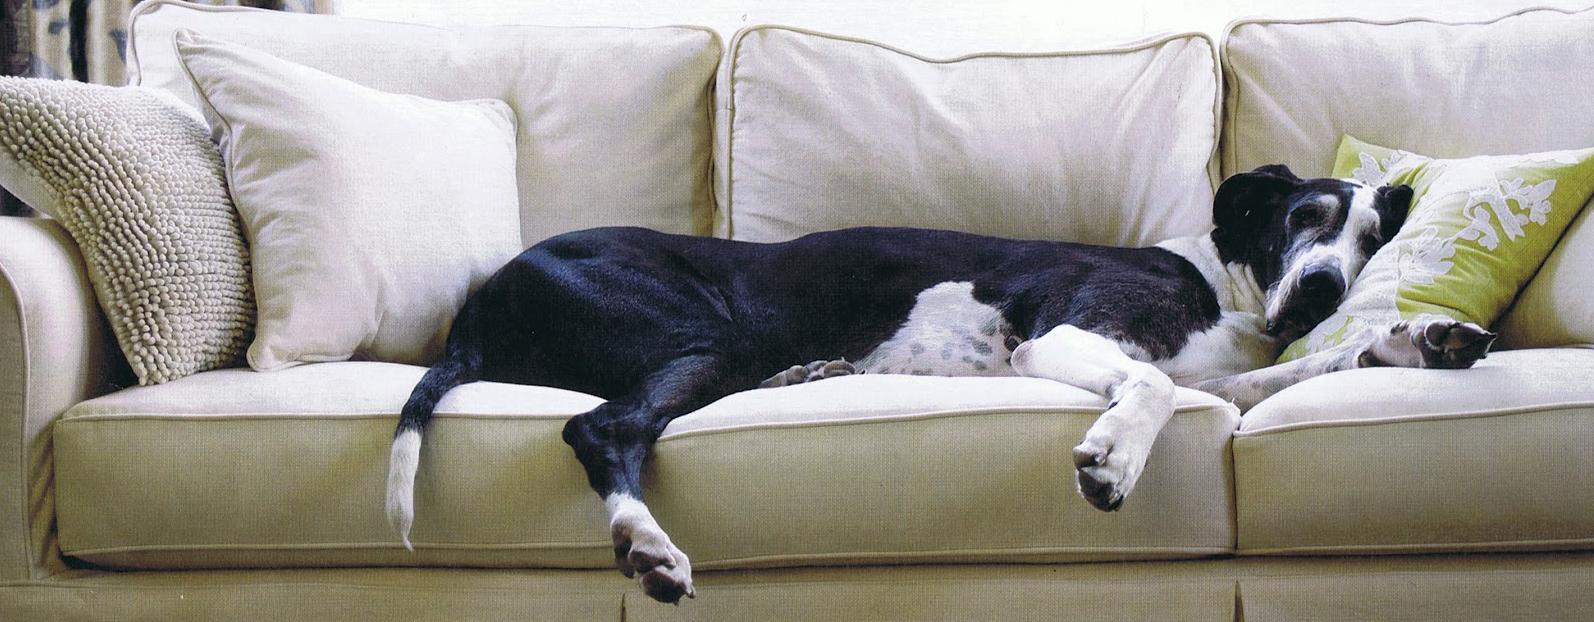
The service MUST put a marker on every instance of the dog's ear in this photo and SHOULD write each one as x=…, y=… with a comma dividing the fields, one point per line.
x=1245, y=203
x=1277, y=170
x=1393, y=208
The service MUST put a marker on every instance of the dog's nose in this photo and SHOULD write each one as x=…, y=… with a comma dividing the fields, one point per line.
x=1322, y=282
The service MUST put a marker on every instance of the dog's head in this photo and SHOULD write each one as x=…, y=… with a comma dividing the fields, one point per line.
x=1305, y=240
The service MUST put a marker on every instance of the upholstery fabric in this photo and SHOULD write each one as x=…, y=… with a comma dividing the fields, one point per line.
x=819, y=132
x=614, y=123
x=237, y=468
x=134, y=177
x=1447, y=90
x=370, y=215
x=57, y=351
x=411, y=594
x=1387, y=460
x=1478, y=230
x=893, y=469
x=1420, y=587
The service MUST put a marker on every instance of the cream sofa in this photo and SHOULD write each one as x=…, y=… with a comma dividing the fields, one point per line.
x=1371, y=494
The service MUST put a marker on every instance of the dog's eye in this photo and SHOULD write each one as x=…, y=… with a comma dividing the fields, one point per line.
x=1306, y=216
x=1369, y=243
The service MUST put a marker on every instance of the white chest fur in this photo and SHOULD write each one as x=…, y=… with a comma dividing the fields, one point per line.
x=948, y=333
x=1235, y=345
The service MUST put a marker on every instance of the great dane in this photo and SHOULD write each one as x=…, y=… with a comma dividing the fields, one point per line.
x=661, y=325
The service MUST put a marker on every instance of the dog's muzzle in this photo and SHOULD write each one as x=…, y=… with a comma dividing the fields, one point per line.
x=1314, y=297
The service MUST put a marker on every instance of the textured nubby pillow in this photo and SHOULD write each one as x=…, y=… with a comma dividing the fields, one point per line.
x=371, y=215
x=134, y=178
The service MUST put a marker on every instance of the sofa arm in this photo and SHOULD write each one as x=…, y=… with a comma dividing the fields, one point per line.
x=56, y=350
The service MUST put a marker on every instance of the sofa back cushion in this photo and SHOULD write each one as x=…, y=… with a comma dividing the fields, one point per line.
x=613, y=123
x=1111, y=146
x=1517, y=84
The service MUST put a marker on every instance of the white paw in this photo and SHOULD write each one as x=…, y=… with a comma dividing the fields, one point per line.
x=1429, y=342
x=1105, y=472
x=662, y=570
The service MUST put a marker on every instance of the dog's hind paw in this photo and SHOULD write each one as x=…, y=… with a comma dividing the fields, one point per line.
x=663, y=571
x=817, y=370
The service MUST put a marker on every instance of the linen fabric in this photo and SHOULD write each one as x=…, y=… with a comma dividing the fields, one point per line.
x=614, y=123
x=133, y=176
x=1517, y=84
x=820, y=132
x=1478, y=230
x=371, y=215
x=1389, y=460
x=243, y=469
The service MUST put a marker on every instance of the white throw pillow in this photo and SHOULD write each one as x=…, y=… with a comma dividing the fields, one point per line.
x=615, y=124
x=370, y=215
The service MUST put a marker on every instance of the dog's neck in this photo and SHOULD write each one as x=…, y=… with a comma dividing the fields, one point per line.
x=1234, y=283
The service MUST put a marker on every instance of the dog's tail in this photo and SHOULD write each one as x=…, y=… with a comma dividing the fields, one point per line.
x=460, y=366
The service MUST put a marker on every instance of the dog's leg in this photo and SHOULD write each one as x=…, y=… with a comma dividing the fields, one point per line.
x=1113, y=453
x=1429, y=341
x=615, y=439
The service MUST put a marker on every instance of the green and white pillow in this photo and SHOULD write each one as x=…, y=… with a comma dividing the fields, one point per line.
x=1478, y=230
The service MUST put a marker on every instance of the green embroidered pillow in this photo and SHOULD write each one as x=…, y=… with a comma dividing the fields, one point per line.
x=1478, y=229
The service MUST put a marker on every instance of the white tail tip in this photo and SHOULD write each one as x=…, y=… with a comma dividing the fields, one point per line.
x=406, y=459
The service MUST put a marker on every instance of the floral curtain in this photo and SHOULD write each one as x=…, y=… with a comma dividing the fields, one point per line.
x=84, y=40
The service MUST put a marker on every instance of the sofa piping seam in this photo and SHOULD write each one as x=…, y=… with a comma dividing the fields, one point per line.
x=332, y=546
x=1416, y=548
x=875, y=556
x=1267, y=21
x=1434, y=417
x=1187, y=410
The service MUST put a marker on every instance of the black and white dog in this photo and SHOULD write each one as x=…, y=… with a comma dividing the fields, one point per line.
x=661, y=325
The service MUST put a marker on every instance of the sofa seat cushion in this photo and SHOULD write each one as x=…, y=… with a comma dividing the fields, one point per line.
x=1497, y=457
x=237, y=468
x=897, y=469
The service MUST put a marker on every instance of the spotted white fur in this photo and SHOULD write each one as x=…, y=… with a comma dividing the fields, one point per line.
x=948, y=333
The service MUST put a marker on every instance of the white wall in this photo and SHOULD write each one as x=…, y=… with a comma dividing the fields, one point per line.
x=933, y=27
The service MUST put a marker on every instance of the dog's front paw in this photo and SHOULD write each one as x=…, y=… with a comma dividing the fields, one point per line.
x=1104, y=473
x=663, y=571
x=1431, y=343
x=1448, y=344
